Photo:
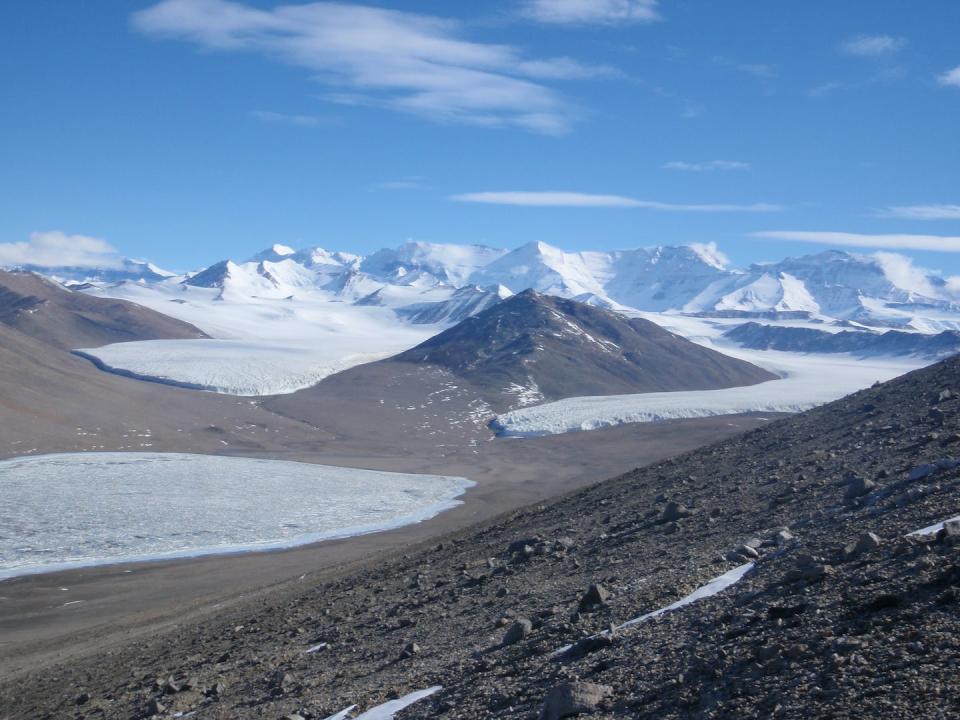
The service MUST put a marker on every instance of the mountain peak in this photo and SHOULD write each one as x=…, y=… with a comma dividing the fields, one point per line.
x=274, y=253
x=556, y=348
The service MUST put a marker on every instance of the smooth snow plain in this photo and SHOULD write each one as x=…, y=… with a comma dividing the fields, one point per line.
x=259, y=345
x=806, y=381
x=83, y=509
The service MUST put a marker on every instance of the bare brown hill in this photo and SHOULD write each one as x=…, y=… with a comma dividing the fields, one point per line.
x=554, y=348
x=45, y=310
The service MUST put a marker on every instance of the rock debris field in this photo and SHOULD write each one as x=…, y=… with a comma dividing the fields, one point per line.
x=837, y=611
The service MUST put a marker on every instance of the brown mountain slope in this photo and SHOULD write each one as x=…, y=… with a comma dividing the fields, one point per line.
x=829, y=621
x=46, y=311
x=562, y=348
x=53, y=401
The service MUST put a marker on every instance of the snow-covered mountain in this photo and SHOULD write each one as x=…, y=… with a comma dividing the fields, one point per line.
x=428, y=282
x=285, y=318
x=429, y=263
x=128, y=270
x=465, y=302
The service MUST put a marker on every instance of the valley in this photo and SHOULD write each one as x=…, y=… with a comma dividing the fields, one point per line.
x=517, y=360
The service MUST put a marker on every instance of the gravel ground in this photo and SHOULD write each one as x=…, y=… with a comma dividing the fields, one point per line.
x=832, y=621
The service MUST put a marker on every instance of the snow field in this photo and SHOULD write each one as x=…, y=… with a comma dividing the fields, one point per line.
x=75, y=510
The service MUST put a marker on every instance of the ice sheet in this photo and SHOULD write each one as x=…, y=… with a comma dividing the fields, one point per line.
x=71, y=510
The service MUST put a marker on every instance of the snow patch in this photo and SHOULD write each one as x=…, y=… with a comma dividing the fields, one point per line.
x=387, y=710
x=714, y=587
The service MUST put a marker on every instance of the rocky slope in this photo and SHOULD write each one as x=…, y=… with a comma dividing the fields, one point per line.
x=842, y=613
x=48, y=312
x=800, y=339
x=52, y=400
x=554, y=348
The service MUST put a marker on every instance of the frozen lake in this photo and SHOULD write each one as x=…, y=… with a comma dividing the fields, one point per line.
x=72, y=510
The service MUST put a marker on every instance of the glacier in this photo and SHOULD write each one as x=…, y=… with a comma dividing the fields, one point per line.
x=285, y=319
x=259, y=345
x=75, y=510
x=806, y=381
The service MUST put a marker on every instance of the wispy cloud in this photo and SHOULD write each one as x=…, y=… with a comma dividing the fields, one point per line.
x=763, y=71
x=922, y=212
x=901, y=270
x=827, y=88
x=950, y=77
x=588, y=200
x=872, y=45
x=58, y=249
x=708, y=166
x=935, y=243
x=591, y=11
x=411, y=182
x=277, y=118
x=400, y=60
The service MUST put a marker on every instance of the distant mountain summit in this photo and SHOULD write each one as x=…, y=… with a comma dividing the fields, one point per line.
x=543, y=347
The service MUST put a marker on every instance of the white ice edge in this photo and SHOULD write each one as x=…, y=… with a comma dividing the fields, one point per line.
x=458, y=486
x=343, y=714
x=806, y=382
x=713, y=587
x=387, y=710
x=931, y=529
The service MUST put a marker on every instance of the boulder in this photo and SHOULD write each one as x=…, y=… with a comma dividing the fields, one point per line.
x=784, y=537
x=595, y=595
x=858, y=487
x=409, y=650
x=572, y=699
x=517, y=632
x=585, y=646
x=674, y=511
x=865, y=543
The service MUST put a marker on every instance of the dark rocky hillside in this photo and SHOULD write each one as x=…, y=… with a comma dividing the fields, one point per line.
x=50, y=313
x=798, y=339
x=562, y=348
x=843, y=614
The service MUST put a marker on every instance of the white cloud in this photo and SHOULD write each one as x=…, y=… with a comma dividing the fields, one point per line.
x=711, y=254
x=285, y=119
x=706, y=166
x=412, y=182
x=935, y=243
x=399, y=60
x=902, y=272
x=587, y=200
x=872, y=45
x=591, y=11
x=763, y=71
x=57, y=249
x=922, y=212
x=951, y=77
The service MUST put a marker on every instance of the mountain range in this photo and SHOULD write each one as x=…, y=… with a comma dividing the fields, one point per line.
x=833, y=286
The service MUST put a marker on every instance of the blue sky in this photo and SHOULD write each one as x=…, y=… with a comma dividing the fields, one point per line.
x=186, y=131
